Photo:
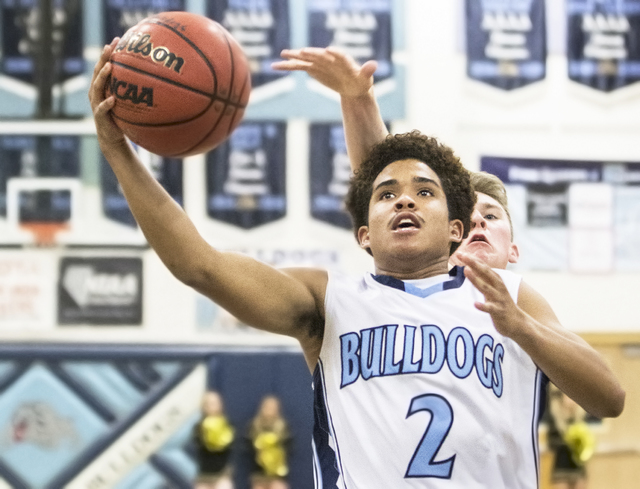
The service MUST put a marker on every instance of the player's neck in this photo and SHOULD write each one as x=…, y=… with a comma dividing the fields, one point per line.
x=430, y=270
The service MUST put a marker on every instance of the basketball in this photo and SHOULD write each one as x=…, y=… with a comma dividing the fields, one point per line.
x=181, y=84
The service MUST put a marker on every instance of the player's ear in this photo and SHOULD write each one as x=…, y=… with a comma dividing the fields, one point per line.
x=514, y=253
x=363, y=237
x=456, y=230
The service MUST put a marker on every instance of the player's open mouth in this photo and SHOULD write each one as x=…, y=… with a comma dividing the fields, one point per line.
x=478, y=238
x=405, y=222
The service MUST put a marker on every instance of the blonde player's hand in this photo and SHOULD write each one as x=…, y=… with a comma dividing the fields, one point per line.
x=505, y=313
x=332, y=67
x=108, y=132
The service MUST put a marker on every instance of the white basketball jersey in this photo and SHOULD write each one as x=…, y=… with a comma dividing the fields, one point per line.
x=416, y=388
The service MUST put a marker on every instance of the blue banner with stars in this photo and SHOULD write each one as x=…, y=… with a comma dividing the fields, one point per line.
x=604, y=43
x=246, y=175
x=506, y=42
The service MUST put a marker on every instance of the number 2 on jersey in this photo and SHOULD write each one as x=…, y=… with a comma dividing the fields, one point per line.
x=422, y=463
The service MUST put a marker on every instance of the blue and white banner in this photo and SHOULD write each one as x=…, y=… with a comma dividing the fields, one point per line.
x=168, y=171
x=120, y=15
x=362, y=28
x=106, y=416
x=561, y=208
x=39, y=156
x=98, y=416
x=604, y=43
x=506, y=42
x=329, y=174
x=20, y=37
x=262, y=29
x=246, y=176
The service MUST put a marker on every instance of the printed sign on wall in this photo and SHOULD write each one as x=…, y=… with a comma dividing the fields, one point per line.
x=604, y=43
x=100, y=290
x=262, y=29
x=362, y=28
x=27, y=293
x=506, y=42
x=246, y=175
x=20, y=36
x=576, y=215
x=119, y=16
x=329, y=174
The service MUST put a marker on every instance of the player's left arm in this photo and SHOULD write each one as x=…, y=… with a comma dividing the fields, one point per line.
x=568, y=360
x=337, y=70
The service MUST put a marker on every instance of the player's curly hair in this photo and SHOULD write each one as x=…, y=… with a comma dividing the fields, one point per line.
x=413, y=145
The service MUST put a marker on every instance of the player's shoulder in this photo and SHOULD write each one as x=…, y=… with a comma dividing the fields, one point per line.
x=512, y=280
x=313, y=278
x=507, y=273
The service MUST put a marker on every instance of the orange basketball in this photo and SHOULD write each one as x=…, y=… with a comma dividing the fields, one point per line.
x=181, y=84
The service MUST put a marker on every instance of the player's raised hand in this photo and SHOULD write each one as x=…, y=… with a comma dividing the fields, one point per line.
x=505, y=313
x=108, y=132
x=332, y=67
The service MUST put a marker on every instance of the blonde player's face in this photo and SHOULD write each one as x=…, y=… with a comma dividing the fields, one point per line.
x=409, y=225
x=489, y=240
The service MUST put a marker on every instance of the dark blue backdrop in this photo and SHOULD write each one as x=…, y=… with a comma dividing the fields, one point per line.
x=243, y=379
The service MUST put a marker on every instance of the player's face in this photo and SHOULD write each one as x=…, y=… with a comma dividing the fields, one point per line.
x=409, y=228
x=490, y=237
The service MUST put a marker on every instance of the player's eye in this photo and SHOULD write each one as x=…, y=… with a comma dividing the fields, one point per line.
x=386, y=195
x=490, y=217
x=425, y=192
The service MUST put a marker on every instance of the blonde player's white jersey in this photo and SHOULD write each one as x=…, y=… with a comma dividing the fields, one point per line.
x=415, y=388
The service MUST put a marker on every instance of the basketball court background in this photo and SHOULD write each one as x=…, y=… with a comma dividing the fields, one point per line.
x=99, y=339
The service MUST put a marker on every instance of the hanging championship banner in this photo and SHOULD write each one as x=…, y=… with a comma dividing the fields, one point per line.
x=262, y=29
x=506, y=42
x=554, y=204
x=604, y=43
x=246, y=176
x=120, y=15
x=168, y=172
x=39, y=156
x=329, y=174
x=362, y=28
x=20, y=37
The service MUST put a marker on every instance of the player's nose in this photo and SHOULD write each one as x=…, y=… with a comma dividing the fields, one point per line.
x=477, y=220
x=405, y=201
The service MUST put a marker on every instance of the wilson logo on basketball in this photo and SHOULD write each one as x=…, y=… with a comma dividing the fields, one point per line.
x=129, y=91
x=139, y=43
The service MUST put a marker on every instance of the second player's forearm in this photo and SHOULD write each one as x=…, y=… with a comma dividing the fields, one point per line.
x=574, y=366
x=363, y=126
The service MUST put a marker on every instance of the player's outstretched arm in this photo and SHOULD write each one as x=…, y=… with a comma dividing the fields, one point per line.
x=289, y=303
x=363, y=124
x=569, y=361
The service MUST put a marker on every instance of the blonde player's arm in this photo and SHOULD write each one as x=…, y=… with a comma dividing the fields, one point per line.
x=363, y=124
x=570, y=362
x=285, y=302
